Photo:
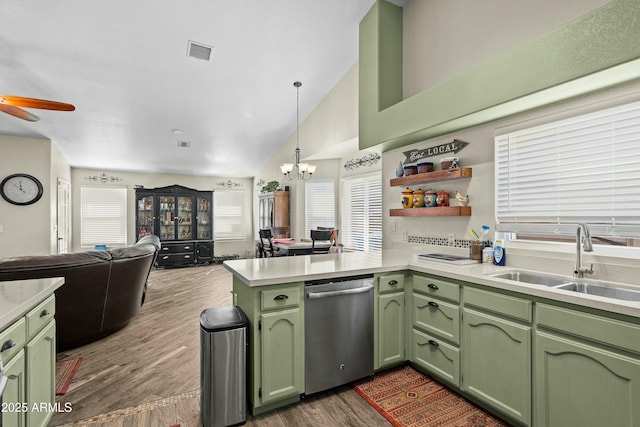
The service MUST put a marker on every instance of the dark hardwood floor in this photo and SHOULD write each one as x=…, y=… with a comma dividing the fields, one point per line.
x=148, y=374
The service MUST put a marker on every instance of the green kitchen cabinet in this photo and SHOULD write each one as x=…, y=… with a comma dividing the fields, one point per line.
x=389, y=321
x=496, y=352
x=29, y=353
x=435, y=335
x=14, y=393
x=276, y=343
x=41, y=375
x=282, y=355
x=587, y=369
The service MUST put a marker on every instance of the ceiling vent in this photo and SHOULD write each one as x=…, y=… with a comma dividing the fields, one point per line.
x=184, y=144
x=199, y=51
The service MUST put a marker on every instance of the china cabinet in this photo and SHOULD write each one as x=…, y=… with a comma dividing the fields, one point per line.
x=273, y=212
x=183, y=220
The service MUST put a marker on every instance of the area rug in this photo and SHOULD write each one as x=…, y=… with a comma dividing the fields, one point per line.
x=65, y=370
x=408, y=398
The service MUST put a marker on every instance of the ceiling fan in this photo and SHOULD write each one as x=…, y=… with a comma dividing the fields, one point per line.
x=11, y=105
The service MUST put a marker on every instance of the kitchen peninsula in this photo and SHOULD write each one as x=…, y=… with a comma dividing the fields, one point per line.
x=28, y=349
x=481, y=335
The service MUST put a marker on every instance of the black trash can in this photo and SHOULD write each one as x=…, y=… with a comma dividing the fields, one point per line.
x=223, y=361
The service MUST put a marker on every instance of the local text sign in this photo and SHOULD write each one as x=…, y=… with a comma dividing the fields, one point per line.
x=454, y=146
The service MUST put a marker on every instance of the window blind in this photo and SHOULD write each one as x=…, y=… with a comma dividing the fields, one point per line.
x=229, y=215
x=319, y=205
x=103, y=216
x=582, y=169
x=361, y=227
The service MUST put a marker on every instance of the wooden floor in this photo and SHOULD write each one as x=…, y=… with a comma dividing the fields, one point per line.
x=148, y=374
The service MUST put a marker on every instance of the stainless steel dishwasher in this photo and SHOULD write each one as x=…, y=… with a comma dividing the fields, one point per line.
x=338, y=315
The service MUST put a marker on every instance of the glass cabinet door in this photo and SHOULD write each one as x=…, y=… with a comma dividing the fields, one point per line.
x=204, y=218
x=145, y=216
x=166, y=217
x=185, y=217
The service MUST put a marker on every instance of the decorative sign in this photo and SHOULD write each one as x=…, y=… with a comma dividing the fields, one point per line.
x=103, y=178
x=368, y=160
x=228, y=184
x=438, y=150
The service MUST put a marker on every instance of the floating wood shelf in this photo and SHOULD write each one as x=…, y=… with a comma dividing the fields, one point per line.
x=435, y=211
x=434, y=176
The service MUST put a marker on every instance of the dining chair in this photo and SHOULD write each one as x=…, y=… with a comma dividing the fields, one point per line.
x=266, y=244
x=334, y=235
x=320, y=235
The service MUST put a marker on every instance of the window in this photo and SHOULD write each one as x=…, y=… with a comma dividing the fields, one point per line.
x=361, y=228
x=228, y=215
x=582, y=169
x=103, y=216
x=319, y=205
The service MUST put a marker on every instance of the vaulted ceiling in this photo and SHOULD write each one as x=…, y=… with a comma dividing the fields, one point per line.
x=138, y=94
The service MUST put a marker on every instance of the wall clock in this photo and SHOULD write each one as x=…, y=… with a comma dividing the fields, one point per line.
x=21, y=189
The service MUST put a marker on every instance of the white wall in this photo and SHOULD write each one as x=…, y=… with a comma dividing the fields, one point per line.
x=80, y=177
x=27, y=230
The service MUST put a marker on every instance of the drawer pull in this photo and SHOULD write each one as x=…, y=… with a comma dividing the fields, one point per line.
x=187, y=256
x=165, y=257
x=393, y=282
x=432, y=286
x=433, y=343
x=9, y=344
x=186, y=248
x=165, y=248
x=44, y=313
x=433, y=304
x=281, y=297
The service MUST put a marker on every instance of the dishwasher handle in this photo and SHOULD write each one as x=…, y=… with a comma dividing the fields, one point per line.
x=360, y=290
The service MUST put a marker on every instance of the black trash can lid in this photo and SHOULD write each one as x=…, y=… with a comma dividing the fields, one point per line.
x=223, y=318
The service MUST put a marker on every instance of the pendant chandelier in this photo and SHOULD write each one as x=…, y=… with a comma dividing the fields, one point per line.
x=297, y=171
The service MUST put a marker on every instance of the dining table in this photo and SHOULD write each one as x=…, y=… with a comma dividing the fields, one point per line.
x=292, y=247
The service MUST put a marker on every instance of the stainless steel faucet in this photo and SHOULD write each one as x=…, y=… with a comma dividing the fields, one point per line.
x=588, y=247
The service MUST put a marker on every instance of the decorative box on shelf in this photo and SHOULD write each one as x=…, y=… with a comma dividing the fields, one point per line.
x=441, y=175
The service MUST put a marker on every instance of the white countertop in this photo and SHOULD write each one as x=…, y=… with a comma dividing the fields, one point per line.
x=17, y=297
x=270, y=271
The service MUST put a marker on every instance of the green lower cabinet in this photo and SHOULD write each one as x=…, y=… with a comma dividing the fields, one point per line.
x=437, y=357
x=497, y=364
x=282, y=355
x=14, y=392
x=390, y=331
x=41, y=379
x=578, y=384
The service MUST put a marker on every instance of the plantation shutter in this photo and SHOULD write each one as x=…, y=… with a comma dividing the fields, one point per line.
x=582, y=169
x=229, y=215
x=361, y=227
x=319, y=205
x=103, y=216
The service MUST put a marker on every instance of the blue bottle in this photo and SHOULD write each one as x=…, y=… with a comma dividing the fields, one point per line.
x=499, y=255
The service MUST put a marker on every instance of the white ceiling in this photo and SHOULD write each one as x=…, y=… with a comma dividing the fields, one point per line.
x=124, y=65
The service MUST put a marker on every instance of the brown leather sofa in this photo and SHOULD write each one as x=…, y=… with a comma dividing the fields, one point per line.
x=103, y=290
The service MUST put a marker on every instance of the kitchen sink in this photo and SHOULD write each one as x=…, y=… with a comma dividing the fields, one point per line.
x=532, y=278
x=571, y=284
x=603, y=291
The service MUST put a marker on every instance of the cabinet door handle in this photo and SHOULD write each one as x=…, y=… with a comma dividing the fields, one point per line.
x=433, y=304
x=432, y=286
x=7, y=345
x=393, y=282
x=44, y=313
x=281, y=297
x=433, y=343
